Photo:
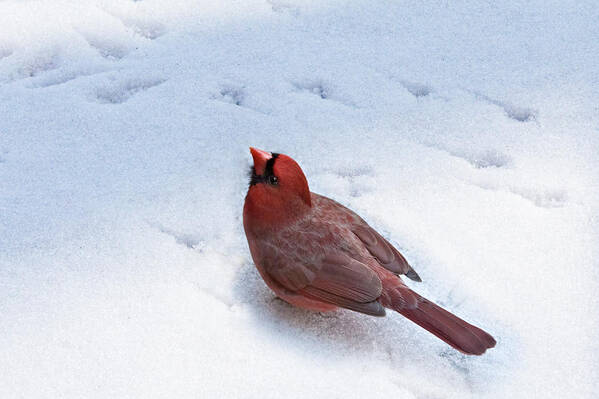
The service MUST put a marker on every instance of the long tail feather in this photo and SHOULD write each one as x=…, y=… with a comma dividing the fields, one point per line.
x=456, y=332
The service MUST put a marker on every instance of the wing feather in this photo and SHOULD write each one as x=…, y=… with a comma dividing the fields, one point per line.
x=386, y=254
x=343, y=276
x=337, y=279
x=373, y=308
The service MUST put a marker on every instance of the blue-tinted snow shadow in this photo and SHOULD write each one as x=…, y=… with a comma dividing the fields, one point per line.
x=392, y=339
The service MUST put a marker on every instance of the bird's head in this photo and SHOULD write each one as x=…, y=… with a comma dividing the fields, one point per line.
x=278, y=188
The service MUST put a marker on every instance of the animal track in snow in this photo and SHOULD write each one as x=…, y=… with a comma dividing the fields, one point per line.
x=359, y=178
x=54, y=79
x=145, y=28
x=148, y=30
x=349, y=172
x=479, y=159
x=122, y=92
x=188, y=240
x=230, y=94
x=107, y=49
x=322, y=90
x=317, y=87
x=39, y=65
x=520, y=114
x=416, y=89
x=280, y=7
x=542, y=198
x=486, y=159
x=238, y=96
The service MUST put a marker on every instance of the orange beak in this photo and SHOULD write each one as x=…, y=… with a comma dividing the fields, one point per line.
x=260, y=159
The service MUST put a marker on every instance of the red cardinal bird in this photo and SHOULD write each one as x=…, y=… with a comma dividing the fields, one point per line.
x=316, y=254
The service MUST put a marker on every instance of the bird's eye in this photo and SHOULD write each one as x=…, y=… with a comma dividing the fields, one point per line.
x=272, y=179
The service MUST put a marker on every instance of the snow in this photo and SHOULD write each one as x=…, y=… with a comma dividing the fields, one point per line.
x=467, y=134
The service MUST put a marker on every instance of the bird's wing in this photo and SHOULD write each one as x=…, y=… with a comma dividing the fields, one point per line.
x=336, y=279
x=385, y=253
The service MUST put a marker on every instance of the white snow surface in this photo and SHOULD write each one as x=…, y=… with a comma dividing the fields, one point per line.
x=467, y=133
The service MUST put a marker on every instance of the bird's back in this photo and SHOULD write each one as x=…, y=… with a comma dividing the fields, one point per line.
x=326, y=228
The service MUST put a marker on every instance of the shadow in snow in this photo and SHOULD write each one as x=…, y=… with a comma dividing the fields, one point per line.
x=403, y=342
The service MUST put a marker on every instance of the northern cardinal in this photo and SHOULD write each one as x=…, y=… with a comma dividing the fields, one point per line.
x=317, y=254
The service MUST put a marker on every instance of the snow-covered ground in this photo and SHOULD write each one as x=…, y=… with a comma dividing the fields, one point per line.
x=468, y=134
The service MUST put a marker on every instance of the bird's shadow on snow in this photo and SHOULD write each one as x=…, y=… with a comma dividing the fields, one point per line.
x=277, y=315
x=391, y=339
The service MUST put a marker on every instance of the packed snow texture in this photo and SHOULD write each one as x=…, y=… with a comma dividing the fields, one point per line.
x=467, y=133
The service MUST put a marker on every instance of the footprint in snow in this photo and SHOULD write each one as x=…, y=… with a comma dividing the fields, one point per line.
x=520, y=114
x=237, y=96
x=352, y=172
x=124, y=90
x=542, y=198
x=482, y=159
x=485, y=159
x=148, y=30
x=416, y=89
x=515, y=112
x=191, y=241
x=317, y=87
x=231, y=95
x=61, y=76
x=322, y=90
x=35, y=67
x=108, y=49
x=358, y=179
x=281, y=7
